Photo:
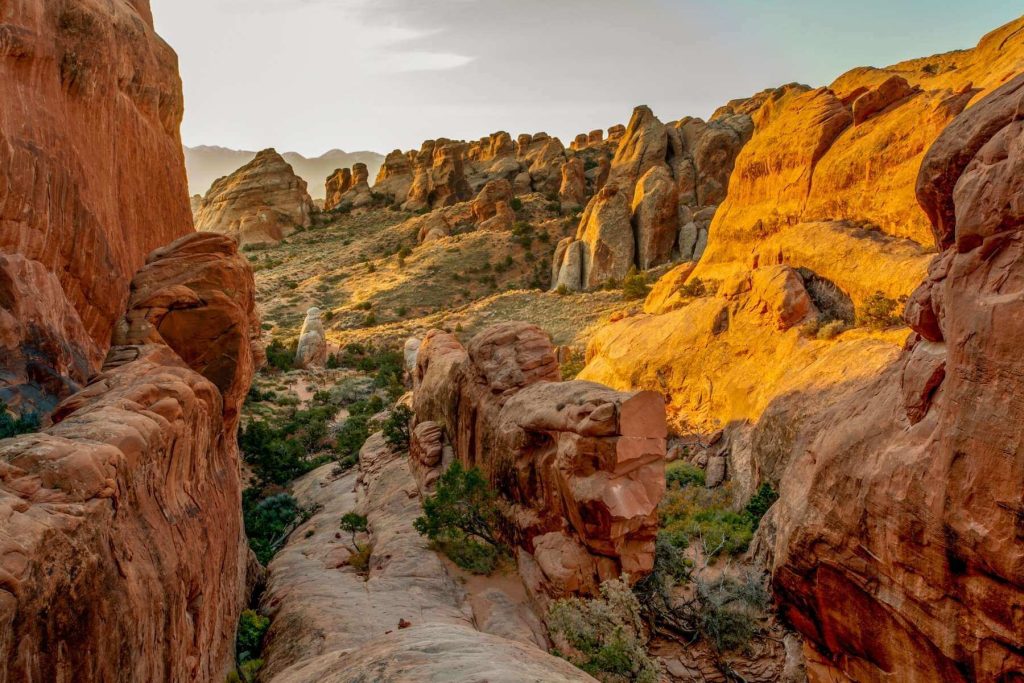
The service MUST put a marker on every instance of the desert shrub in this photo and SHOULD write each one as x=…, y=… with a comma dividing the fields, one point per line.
x=461, y=518
x=360, y=559
x=694, y=288
x=728, y=610
x=574, y=365
x=831, y=330
x=516, y=204
x=523, y=234
x=252, y=626
x=759, y=503
x=388, y=366
x=693, y=514
x=370, y=320
x=682, y=474
x=635, y=286
x=278, y=454
x=13, y=426
x=268, y=522
x=354, y=523
x=280, y=356
x=604, y=636
x=396, y=428
x=880, y=312
x=563, y=290
x=256, y=395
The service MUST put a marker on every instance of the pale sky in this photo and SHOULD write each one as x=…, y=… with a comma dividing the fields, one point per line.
x=311, y=75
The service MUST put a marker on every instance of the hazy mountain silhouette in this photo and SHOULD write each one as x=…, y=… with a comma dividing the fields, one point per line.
x=204, y=164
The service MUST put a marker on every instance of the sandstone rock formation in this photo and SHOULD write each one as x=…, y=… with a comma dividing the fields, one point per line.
x=573, y=189
x=330, y=623
x=493, y=194
x=394, y=180
x=439, y=178
x=349, y=187
x=91, y=180
x=312, y=349
x=500, y=406
x=919, y=529
x=134, y=491
x=264, y=201
x=672, y=178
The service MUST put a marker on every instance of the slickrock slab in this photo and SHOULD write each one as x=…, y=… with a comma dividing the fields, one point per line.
x=408, y=620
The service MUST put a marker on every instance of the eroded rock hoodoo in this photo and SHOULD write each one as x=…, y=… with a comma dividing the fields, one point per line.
x=263, y=201
x=580, y=468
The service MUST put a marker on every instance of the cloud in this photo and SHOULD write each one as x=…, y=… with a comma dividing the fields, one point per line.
x=422, y=61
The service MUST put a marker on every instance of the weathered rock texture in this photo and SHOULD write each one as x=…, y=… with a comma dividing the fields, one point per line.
x=264, y=201
x=312, y=349
x=348, y=187
x=122, y=553
x=579, y=467
x=332, y=624
x=671, y=178
x=91, y=180
x=911, y=510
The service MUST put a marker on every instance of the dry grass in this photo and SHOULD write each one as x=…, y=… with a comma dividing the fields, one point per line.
x=378, y=286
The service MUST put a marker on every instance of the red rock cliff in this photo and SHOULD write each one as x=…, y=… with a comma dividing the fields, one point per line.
x=898, y=550
x=92, y=179
x=122, y=553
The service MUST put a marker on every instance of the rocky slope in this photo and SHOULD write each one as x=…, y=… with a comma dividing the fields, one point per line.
x=264, y=201
x=134, y=490
x=91, y=180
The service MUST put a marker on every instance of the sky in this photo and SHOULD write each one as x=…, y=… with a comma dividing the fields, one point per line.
x=312, y=75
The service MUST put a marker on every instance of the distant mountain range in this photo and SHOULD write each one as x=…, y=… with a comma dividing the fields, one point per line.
x=204, y=164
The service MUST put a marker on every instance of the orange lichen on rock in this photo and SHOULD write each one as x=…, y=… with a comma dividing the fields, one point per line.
x=579, y=468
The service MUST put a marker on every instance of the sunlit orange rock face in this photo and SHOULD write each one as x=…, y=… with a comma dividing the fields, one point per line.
x=122, y=552
x=898, y=546
x=92, y=179
x=826, y=187
x=579, y=467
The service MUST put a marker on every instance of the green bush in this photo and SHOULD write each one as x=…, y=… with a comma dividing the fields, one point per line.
x=252, y=626
x=604, y=636
x=268, y=522
x=11, y=426
x=760, y=502
x=728, y=610
x=635, y=286
x=574, y=365
x=693, y=514
x=396, y=428
x=682, y=474
x=880, y=312
x=279, y=454
x=281, y=357
x=694, y=288
x=354, y=523
x=462, y=516
x=473, y=556
x=516, y=204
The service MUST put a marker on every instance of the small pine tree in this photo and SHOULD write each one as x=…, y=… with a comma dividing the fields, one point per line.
x=354, y=523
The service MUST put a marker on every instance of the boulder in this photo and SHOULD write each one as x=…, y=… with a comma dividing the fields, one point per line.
x=644, y=145
x=486, y=203
x=892, y=90
x=439, y=177
x=502, y=407
x=262, y=202
x=338, y=183
x=607, y=235
x=312, y=349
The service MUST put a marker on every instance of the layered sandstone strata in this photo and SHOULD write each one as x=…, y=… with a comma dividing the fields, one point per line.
x=579, y=468
x=122, y=554
x=92, y=179
x=263, y=201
